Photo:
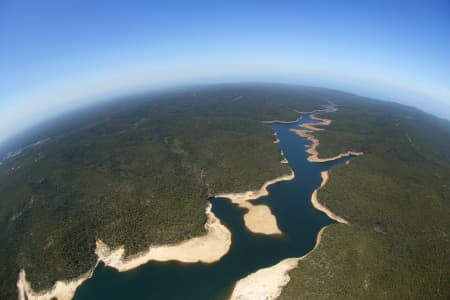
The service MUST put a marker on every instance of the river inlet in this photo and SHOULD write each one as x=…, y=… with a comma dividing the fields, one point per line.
x=290, y=202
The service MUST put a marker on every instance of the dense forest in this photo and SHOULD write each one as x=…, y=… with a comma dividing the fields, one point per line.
x=139, y=171
x=397, y=200
x=136, y=172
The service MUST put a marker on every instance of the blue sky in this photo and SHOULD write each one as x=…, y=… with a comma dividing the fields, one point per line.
x=57, y=55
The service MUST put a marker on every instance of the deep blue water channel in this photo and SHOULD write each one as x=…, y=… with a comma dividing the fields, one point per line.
x=290, y=203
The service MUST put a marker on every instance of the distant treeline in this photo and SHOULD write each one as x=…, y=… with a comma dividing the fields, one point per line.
x=137, y=172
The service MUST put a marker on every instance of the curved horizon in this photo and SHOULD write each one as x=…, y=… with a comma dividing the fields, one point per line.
x=56, y=56
x=129, y=95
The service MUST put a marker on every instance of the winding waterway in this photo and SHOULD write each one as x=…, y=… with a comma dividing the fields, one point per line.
x=290, y=202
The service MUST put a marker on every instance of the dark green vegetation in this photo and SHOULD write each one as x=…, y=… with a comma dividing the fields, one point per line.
x=136, y=174
x=140, y=173
x=397, y=199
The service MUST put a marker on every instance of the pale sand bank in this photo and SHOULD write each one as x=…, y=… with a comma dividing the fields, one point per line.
x=323, y=121
x=282, y=122
x=317, y=205
x=313, y=157
x=61, y=290
x=312, y=150
x=208, y=248
x=268, y=283
x=312, y=127
x=346, y=154
x=307, y=112
x=265, y=283
x=259, y=218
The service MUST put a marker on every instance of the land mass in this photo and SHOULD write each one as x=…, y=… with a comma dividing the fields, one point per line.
x=396, y=200
x=138, y=173
x=268, y=283
x=132, y=174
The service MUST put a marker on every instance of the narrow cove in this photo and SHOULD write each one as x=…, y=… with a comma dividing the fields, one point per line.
x=290, y=202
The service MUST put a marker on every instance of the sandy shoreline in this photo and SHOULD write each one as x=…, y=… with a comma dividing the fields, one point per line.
x=268, y=283
x=259, y=218
x=282, y=122
x=61, y=290
x=208, y=248
x=317, y=205
x=211, y=247
x=312, y=149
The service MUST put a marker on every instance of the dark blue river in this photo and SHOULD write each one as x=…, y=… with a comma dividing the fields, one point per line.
x=290, y=203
